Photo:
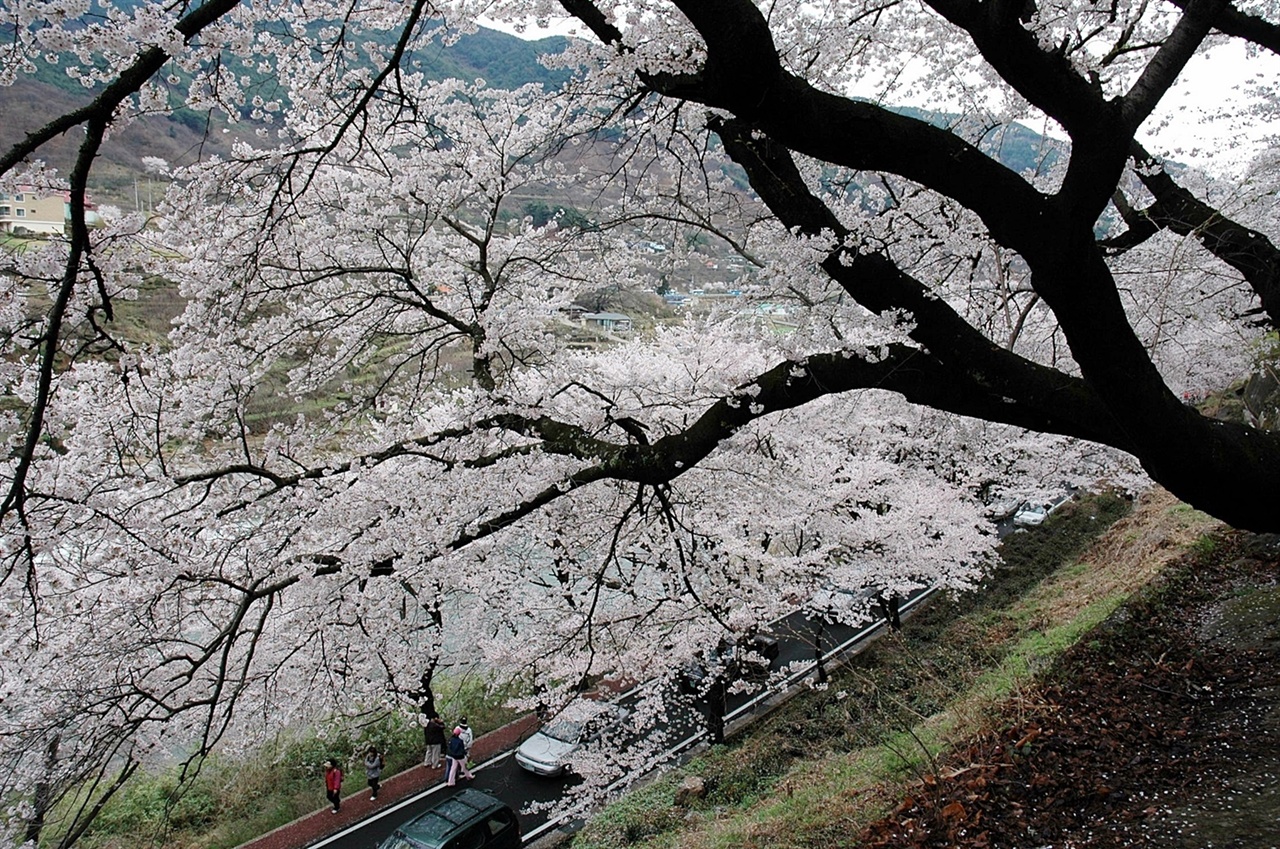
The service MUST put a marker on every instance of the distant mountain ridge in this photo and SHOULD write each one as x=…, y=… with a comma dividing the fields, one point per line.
x=502, y=60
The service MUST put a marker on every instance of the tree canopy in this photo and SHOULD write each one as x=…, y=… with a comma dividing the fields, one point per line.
x=373, y=443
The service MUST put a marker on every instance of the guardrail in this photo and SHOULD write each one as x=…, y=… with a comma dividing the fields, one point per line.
x=756, y=708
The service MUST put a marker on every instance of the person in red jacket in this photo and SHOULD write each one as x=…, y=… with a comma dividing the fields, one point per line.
x=333, y=784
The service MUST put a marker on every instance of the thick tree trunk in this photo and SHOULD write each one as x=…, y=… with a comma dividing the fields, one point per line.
x=42, y=797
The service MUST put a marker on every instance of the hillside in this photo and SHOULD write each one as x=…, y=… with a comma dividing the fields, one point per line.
x=1161, y=728
x=1157, y=729
x=1122, y=695
x=502, y=60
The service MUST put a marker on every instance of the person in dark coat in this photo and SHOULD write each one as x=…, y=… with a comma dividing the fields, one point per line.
x=457, y=759
x=435, y=737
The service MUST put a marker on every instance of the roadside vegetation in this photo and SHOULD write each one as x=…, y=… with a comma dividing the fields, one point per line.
x=837, y=758
x=233, y=800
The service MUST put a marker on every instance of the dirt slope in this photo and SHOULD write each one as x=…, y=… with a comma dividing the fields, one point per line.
x=1160, y=729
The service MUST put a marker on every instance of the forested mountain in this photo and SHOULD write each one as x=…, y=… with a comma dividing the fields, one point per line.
x=501, y=60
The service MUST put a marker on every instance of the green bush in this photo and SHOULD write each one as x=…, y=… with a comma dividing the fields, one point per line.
x=637, y=816
x=735, y=775
x=1204, y=547
x=138, y=809
x=156, y=804
x=230, y=801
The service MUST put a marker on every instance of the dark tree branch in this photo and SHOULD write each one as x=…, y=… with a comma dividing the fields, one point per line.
x=1172, y=56
x=586, y=11
x=1233, y=22
x=147, y=65
x=1246, y=250
x=1049, y=397
x=1045, y=78
x=96, y=117
x=1208, y=463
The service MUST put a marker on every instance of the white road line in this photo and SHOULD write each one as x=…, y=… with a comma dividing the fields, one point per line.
x=570, y=814
x=405, y=802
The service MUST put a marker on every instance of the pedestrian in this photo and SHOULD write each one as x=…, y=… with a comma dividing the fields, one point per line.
x=373, y=770
x=435, y=737
x=456, y=761
x=467, y=737
x=333, y=784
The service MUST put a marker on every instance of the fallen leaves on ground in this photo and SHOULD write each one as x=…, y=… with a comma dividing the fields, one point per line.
x=1145, y=716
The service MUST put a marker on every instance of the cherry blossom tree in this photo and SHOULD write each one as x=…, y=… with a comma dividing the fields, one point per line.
x=372, y=446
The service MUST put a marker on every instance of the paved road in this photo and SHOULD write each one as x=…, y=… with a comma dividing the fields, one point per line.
x=499, y=776
x=803, y=641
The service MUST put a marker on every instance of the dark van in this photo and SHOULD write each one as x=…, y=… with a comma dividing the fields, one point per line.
x=472, y=819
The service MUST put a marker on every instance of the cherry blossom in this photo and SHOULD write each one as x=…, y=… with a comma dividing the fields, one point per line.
x=375, y=445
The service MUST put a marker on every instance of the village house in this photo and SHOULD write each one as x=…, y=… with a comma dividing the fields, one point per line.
x=26, y=213
x=613, y=322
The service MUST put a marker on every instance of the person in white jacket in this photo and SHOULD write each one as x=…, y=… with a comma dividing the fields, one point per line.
x=467, y=737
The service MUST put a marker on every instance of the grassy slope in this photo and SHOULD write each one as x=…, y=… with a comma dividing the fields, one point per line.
x=832, y=761
x=1159, y=730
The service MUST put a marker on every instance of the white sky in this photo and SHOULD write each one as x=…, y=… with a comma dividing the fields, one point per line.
x=1218, y=120
x=558, y=26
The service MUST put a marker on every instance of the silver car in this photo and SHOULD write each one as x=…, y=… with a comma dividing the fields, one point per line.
x=550, y=750
x=547, y=752
x=1030, y=515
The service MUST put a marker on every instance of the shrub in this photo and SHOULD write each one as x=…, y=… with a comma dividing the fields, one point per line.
x=231, y=801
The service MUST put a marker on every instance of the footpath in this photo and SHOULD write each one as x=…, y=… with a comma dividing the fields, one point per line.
x=319, y=824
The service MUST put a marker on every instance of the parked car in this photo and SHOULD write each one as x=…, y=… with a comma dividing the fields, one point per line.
x=472, y=819
x=549, y=751
x=1029, y=515
x=1002, y=509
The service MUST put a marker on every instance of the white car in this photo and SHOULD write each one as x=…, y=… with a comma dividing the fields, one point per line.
x=1030, y=515
x=549, y=750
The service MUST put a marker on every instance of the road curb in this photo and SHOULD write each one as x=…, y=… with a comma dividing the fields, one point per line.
x=309, y=829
